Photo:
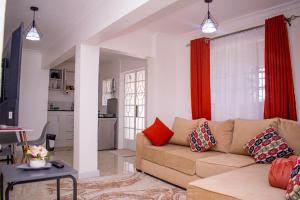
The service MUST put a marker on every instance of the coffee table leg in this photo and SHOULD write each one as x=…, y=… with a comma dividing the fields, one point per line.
x=58, y=188
x=1, y=182
x=74, y=187
x=9, y=187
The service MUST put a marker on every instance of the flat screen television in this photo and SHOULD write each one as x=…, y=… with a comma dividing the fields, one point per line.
x=10, y=72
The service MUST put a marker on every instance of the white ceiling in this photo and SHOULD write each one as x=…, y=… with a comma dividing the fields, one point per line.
x=107, y=55
x=55, y=18
x=190, y=17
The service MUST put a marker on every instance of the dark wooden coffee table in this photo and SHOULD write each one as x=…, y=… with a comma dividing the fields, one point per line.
x=14, y=176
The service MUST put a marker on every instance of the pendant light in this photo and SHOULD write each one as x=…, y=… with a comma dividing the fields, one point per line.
x=209, y=24
x=32, y=32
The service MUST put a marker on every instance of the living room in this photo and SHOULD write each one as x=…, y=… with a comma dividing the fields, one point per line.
x=165, y=34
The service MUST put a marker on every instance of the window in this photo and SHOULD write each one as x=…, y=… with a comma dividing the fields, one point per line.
x=261, y=84
x=107, y=90
x=238, y=76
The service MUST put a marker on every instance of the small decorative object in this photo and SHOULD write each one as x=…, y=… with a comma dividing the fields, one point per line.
x=37, y=156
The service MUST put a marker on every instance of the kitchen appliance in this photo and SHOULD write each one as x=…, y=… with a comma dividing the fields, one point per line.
x=107, y=126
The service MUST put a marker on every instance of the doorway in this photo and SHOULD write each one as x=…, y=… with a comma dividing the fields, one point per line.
x=134, y=106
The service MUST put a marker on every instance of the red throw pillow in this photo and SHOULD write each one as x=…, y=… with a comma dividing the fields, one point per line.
x=280, y=171
x=158, y=133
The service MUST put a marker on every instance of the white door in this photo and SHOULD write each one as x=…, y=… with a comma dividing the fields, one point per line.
x=134, y=106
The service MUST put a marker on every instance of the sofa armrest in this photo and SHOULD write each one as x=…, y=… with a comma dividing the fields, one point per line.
x=141, y=141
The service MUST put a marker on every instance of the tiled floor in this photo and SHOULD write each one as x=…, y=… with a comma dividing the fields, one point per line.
x=109, y=163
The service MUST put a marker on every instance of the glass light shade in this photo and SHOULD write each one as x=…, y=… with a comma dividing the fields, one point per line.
x=208, y=26
x=33, y=34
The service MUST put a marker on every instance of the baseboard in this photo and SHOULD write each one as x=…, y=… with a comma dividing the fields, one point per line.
x=89, y=174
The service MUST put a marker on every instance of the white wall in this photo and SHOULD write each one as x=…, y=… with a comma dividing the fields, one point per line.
x=294, y=33
x=33, y=93
x=2, y=20
x=162, y=99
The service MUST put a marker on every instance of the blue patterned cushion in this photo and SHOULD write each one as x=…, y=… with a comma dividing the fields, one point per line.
x=201, y=139
x=293, y=188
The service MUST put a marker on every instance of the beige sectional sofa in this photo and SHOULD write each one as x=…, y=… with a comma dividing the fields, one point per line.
x=227, y=171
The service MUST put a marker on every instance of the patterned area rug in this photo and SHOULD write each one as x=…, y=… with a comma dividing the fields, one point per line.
x=134, y=187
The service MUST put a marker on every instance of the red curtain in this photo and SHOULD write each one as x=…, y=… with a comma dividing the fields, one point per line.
x=280, y=97
x=200, y=78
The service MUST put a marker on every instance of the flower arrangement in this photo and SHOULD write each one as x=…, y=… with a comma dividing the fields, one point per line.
x=37, y=153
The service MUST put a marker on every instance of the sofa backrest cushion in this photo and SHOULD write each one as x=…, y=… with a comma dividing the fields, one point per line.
x=182, y=128
x=245, y=130
x=222, y=132
x=290, y=131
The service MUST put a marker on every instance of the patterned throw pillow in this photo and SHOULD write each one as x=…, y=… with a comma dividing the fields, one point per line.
x=293, y=188
x=267, y=146
x=201, y=139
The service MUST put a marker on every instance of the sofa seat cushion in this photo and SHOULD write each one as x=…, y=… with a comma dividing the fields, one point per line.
x=206, y=167
x=184, y=160
x=247, y=183
x=156, y=154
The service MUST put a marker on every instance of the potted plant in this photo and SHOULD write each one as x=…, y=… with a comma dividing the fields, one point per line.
x=37, y=156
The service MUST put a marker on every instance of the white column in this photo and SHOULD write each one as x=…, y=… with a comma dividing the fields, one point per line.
x=86, y=110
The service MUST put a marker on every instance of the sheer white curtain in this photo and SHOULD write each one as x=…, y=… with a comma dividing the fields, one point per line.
x=237, y=76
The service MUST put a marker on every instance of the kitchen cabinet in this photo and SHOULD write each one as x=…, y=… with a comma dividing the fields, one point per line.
x=62, y=125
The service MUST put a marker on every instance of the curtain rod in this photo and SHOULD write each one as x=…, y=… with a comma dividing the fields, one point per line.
x=287, y=19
